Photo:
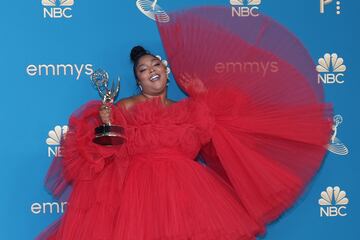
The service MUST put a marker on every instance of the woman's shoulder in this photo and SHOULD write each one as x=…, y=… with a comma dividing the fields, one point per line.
x=126, y=102
x=172, y=101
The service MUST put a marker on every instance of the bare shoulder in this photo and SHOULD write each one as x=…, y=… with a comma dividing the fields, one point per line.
x=171, y=101
x=127, y=102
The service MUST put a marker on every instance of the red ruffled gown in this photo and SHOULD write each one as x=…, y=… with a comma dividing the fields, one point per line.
x=262, y=138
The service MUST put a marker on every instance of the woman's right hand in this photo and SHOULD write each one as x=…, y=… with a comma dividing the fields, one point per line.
x=105, y=114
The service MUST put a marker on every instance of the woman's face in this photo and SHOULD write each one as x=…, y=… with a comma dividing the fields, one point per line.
x=151, y=74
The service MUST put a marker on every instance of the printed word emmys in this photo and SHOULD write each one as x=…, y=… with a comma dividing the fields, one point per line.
x=59, y=70
x=48, y=207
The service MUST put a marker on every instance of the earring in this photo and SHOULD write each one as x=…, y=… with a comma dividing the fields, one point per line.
x=140, y=87
x=167, y=83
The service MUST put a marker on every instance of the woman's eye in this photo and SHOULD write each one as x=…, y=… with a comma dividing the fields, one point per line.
x=157, y=64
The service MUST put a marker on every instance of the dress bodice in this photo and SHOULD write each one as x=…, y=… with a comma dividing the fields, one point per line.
x=150, y=125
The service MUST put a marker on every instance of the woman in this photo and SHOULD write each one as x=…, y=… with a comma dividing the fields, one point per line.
x=151, y=77
x=261, y=145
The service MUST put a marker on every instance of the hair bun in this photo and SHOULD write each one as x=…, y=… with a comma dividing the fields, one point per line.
x=137, y=52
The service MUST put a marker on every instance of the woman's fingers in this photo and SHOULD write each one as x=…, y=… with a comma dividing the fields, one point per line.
x=105, y=115
x=191, y=82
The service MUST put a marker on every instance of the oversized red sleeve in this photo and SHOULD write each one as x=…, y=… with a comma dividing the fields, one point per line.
x=267, y=153
x=80, y=158
x=270, y=120
x=84, y=171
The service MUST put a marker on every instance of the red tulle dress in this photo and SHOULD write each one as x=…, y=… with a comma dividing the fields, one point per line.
x=262, y=138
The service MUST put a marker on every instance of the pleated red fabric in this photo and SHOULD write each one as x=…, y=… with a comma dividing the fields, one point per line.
x=261, y=133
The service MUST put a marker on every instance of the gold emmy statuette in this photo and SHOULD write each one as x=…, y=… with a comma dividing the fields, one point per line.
x=107, y=134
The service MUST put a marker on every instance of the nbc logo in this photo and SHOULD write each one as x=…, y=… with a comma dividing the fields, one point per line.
x=152, y=10
x=52, y=9
x=331, y=69
x=245, y=8
x=333, y=202
x=324, y=3
x=54, y=139
x=335, y=145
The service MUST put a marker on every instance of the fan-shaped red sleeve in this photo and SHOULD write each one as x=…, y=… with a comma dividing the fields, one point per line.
x=271, y=123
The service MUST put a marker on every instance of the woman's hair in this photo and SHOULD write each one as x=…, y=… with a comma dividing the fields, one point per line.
x=136, y=53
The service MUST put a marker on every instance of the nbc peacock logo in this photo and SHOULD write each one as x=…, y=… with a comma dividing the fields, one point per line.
x=324, y=4
x=333, y=202
x=152, y=10
x=57, y=8
x=331, y=69
x=53, y=140
x=245, y=8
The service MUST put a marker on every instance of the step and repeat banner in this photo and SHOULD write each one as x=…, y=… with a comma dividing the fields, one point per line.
x=50, y=48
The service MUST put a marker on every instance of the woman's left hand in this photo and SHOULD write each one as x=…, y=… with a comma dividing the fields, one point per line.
x=192, y=84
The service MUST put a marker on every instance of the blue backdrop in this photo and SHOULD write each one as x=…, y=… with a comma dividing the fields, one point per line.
x=49, y=48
